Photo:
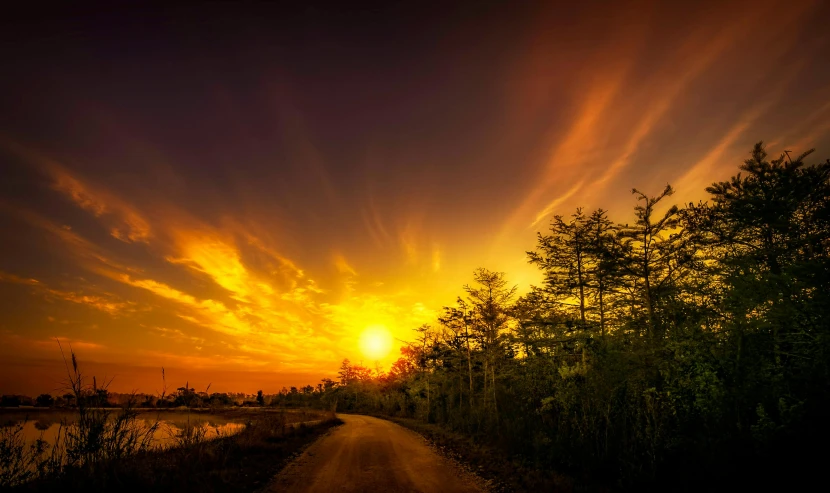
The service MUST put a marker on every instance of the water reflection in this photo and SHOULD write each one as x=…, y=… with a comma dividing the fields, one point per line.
x=172, y=425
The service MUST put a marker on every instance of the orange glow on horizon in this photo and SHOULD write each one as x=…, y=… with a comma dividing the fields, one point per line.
x=253, y=224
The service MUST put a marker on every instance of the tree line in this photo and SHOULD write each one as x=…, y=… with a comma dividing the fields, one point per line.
x=690, y=344
x=693, y=340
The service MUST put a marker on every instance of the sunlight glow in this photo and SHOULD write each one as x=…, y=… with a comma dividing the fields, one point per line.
x=376, y=342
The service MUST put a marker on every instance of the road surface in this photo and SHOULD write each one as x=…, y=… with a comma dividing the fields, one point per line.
x=372, y=455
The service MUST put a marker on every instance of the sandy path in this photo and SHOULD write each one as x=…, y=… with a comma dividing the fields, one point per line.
x=371, y=455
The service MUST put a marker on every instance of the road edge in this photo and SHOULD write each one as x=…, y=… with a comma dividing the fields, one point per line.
x=496, y=471
x=332, y=425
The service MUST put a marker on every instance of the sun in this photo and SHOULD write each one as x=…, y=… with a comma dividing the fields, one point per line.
x=376, y=342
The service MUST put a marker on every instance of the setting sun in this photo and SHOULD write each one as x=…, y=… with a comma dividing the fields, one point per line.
x=591, y=238
x=375, y=342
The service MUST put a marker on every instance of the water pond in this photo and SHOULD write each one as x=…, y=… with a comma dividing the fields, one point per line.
x=46, y=424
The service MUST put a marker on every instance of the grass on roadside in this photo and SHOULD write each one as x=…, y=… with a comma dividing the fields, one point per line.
x=244, y=461
x=96, y=436
x=503, y=473
x=104, y=450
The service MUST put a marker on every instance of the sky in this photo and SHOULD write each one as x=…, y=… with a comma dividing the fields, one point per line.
x=238, y=193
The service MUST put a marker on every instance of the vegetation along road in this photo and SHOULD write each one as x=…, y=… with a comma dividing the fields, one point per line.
x=370, y=454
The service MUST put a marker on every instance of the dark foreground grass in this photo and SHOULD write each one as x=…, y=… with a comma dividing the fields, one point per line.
x=503, y=473
x=243, y=462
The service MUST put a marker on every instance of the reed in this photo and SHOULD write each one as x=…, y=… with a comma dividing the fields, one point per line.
x=105, y=449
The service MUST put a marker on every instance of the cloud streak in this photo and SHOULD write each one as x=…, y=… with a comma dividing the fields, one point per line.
x=257, y=223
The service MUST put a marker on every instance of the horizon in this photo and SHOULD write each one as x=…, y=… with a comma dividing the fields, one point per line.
x=247, y=198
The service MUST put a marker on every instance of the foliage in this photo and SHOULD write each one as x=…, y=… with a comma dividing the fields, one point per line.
x=18, y=459
x=244, y=461
x=106, y=449
x=696, y=338
x=690, y=345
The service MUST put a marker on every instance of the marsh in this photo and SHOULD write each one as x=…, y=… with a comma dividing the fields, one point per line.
x=46, y=424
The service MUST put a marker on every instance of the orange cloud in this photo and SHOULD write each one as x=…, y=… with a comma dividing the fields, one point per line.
x=105, y=302
x=128, y=225
x=98, y=302
x=69, y=342
x=212, y=314
x=277, y=263
x=49, y=343
x=343, y=265
x=552, y=207
x=6, y=277
x=375, y=225
x=620, y=113
x=125, y=222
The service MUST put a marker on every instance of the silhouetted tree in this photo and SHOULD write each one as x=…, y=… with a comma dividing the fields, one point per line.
x=45, y=400
x=713, y=351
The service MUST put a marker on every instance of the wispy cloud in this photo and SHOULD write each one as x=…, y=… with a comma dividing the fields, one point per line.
x=266, y=233
x=558, y=201
x=50, y=343
x=105, y=302
x=343, y=265
x=124, y=221
x=625, y=111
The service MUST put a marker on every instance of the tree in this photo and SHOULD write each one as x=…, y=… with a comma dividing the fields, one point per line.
x=580, y=260
x=457, y=321
x=652, y=261
x=10, y=401
x=490, y=301
x=771, y=225
x=404, y=367
x=563, y=256
x=713, y=353
x=346, y=373
x=604, y=273
x=45, y=400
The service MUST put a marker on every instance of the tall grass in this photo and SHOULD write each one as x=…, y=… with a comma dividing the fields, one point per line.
x=191, y=434
x=99, y=434
x=101, y=449
x=94, y=436
x=19, y=461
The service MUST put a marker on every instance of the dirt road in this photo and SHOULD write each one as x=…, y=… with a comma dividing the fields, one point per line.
x=371, y=455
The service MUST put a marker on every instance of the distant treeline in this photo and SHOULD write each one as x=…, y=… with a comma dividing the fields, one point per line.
x=691, y=345
x=97, y=448
x=683, y=350
x=181, y=397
